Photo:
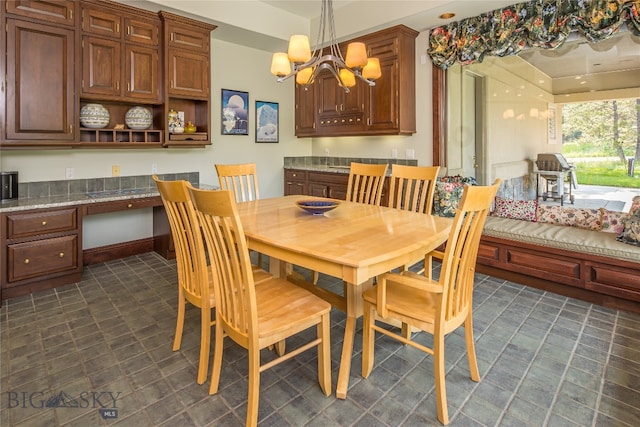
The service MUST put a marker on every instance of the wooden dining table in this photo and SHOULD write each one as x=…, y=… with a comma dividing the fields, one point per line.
x=354, y=242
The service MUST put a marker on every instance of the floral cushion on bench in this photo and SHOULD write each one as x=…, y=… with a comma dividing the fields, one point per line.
x=574, y=217
x=448, y=194
x=612, y=221
x=631, y=233
x=515, y=209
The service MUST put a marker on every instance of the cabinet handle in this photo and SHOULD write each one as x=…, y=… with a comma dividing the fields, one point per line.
x=61, y=254
x=44, y=223
x=129, y=206
x=117, y=85
x=71, y=129
x=128, y=87
x=70, y=15
x=128, y=30
x=26, y=261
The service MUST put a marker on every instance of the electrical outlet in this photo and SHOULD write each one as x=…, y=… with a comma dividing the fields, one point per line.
x=394, y=153
x=68, y=173
x=154, y=168
x=326, y=152
x=115, y=170
x=410, y=154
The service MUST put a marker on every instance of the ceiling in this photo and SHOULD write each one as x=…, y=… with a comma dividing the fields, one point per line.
x=613, y=64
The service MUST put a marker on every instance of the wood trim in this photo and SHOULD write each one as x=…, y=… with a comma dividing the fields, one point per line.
x=439, y=107
x=117, y=251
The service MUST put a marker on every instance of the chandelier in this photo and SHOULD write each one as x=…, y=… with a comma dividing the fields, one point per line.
x=307, y=65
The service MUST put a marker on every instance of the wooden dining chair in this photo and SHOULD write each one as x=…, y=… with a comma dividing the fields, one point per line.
x=255, y=317
x=194, y=282
x=241, y=179
x=412, y=187
x=436, y=307
x=365, y=183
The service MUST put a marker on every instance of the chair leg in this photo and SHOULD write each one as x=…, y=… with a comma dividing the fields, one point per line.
x=438, y=368
x=314, y=277
x=471, y=349
x=217, y=359
x=324, y=355
x=254, y=386
x=205, y=344
x=177, y=340
x=368, y=338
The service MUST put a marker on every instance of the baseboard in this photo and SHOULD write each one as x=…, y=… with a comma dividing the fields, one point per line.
x=116, y=251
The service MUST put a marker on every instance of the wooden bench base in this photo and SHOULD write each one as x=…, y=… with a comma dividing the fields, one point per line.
x=596, y=279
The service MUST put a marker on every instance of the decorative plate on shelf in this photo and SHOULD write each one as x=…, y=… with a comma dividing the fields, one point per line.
x=138, y=118
x=317, y=207
x=94, y=116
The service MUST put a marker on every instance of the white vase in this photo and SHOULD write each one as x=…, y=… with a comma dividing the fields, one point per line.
x=94, y=116
x=138, y=118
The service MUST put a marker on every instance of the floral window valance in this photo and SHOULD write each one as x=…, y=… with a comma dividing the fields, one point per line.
x=538, y=23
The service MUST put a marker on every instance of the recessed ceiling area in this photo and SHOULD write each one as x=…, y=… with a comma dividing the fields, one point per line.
x=608, y=65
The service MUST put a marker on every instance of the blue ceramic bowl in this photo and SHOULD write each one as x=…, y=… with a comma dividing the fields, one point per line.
x=317, y=207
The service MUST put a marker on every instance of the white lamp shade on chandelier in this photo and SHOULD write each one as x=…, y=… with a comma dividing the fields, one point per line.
x=299, y=61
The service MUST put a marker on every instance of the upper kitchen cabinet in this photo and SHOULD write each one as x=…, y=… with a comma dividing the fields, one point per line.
x=187, y=83
x=388, y=108
x=39, y=103
x=391, y=103
x=120, y=54
x=63, y=57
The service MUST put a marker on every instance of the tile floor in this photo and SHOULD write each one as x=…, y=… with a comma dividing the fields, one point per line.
x=99, y=353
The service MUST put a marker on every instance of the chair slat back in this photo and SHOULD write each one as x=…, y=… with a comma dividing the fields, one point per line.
x=188, y=242
x=230, y=263
x=365, y=183
x=459, y=261
x=412, y=187
x=241, y=179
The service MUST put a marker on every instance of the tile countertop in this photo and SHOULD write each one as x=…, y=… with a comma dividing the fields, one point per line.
x=83, y=199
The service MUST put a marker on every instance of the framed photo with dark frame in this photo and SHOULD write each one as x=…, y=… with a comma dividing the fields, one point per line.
x=267, y=121
x=234, y=112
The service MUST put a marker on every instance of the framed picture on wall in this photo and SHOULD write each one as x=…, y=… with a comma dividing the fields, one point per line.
x=235, y=112
x=267, y=121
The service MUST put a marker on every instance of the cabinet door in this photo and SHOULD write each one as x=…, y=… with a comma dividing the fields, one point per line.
x=318, y=190
x=382, y=112
x=188, y=74
x=101, y=66
x=141, y=67
x=329, y=95
x=305, y=110
x=54, y=11
x=40, y=82
x=337, y=191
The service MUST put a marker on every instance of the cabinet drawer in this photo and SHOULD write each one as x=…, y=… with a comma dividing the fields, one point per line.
x=123, y=205
x=101, y=22
x=296, y=175
x=330, y=178
x=139, y=31
x=40, y=257
x=60, y=12
x=183, y=37
x=33, y=224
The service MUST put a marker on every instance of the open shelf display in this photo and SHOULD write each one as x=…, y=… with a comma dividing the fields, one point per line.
x=116, y=134
x=195, y=111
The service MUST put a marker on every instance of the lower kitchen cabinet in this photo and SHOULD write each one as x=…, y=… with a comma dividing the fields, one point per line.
x=322, y=184
x=40, y=249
